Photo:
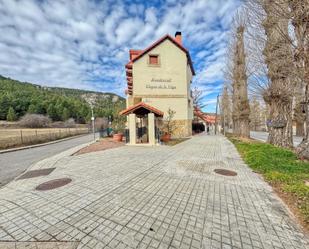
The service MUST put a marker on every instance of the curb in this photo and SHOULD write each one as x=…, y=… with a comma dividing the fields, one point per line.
x=39, y=145
x=259, y=139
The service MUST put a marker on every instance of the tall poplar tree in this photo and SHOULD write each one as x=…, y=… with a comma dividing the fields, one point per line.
x=299, y=10
x=279, y=61
x=241, y=108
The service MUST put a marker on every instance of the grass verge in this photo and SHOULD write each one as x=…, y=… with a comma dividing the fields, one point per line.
x=281, y=168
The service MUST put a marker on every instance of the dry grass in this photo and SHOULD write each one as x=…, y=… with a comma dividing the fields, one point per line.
x=17, y=137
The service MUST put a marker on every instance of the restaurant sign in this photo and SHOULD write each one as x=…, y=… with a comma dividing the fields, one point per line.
x=161, y=84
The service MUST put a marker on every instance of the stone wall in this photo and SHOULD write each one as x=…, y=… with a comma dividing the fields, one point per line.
x=183, y=128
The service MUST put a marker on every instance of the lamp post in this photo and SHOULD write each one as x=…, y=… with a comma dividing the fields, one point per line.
x=92, y=120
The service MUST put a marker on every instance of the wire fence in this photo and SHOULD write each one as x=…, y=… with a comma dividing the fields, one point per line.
x=19, y=137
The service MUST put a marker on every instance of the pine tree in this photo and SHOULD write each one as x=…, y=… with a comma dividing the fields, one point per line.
x=4, y=106
x=65, y=114
x=32, y=109
x=52, y=112
x=11, y=116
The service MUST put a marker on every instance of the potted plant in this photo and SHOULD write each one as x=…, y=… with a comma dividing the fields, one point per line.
x=168, y=126
x=118, y=124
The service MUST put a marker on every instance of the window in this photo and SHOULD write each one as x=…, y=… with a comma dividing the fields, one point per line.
x=154, y=59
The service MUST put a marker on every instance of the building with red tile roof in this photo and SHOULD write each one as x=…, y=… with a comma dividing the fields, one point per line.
x=158, y=79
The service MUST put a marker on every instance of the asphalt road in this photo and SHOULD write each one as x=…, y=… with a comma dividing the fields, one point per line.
x=14, y=163
x=262, y=136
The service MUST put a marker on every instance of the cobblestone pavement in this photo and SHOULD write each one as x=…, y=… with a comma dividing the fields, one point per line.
x=150, y=197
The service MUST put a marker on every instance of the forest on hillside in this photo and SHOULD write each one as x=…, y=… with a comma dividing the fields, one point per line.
x=59, y=104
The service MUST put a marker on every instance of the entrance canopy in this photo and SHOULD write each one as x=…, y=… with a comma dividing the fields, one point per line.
x=142, y=109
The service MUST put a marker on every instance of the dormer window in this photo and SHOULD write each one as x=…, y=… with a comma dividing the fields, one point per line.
x=153, y=59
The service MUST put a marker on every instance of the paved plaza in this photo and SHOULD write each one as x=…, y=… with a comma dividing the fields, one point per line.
x=148, y=197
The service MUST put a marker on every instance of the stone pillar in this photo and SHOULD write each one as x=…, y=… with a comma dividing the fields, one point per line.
x=151, y=129
x=132, y=128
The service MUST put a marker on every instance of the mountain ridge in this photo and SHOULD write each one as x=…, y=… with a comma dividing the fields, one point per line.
x=58, y=103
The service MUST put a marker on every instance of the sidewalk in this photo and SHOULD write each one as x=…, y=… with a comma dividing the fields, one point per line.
x=150, y=197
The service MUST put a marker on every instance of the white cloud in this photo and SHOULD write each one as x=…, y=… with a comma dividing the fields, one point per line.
x=85, y=43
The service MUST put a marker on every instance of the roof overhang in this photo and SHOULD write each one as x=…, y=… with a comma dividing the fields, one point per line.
x=145, y=51
x=141, y=109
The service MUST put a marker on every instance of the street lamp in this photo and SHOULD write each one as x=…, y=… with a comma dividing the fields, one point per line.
x=90, y=99
x=92, y=120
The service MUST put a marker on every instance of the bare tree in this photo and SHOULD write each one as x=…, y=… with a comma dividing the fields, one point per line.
x=197, y=96
x=299, y=10
x=35, y=121
x=241, y=108
x=257, y=115
x=293, y=62
x=279, y=61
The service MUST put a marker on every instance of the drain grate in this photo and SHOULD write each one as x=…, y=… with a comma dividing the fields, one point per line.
x=225, y=172
x=57, y=183
x=36, y=173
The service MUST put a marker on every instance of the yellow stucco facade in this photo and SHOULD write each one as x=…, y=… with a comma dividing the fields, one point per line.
x=165, y=85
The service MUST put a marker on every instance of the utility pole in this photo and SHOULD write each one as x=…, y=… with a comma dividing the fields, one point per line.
x=216, y=121
x=92, y=119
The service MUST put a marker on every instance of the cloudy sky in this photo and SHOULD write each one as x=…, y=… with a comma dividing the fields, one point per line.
x=84, y=43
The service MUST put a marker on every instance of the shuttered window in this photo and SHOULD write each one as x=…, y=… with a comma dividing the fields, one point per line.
x=153, y=59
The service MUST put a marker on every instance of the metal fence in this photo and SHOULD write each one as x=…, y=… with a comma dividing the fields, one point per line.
x=18, y=137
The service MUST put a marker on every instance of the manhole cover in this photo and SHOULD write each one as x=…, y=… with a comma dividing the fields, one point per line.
x=36, y=173
x=57, y=183
x=225, y=172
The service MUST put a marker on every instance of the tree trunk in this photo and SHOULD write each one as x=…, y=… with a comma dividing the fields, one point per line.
x=280, y=128
x=300, y=129
x=279, y=60
x=300, y=21
x=303, y=148
x=244, y=125
x=236, y=127
x=241, y=108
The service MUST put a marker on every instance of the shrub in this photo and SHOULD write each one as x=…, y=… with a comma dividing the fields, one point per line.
x=70, y=123
x=35, y=121
x=11, y=116
x=119, y=124
x=101, y=123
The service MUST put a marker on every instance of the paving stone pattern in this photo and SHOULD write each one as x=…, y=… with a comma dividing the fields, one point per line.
x=150, y=197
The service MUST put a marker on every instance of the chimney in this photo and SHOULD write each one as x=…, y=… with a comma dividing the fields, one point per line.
x=178, y=37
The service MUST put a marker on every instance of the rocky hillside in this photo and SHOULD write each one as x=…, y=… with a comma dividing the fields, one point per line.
x=18, y=98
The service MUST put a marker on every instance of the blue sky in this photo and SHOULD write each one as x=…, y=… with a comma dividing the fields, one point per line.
x=84, y=44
